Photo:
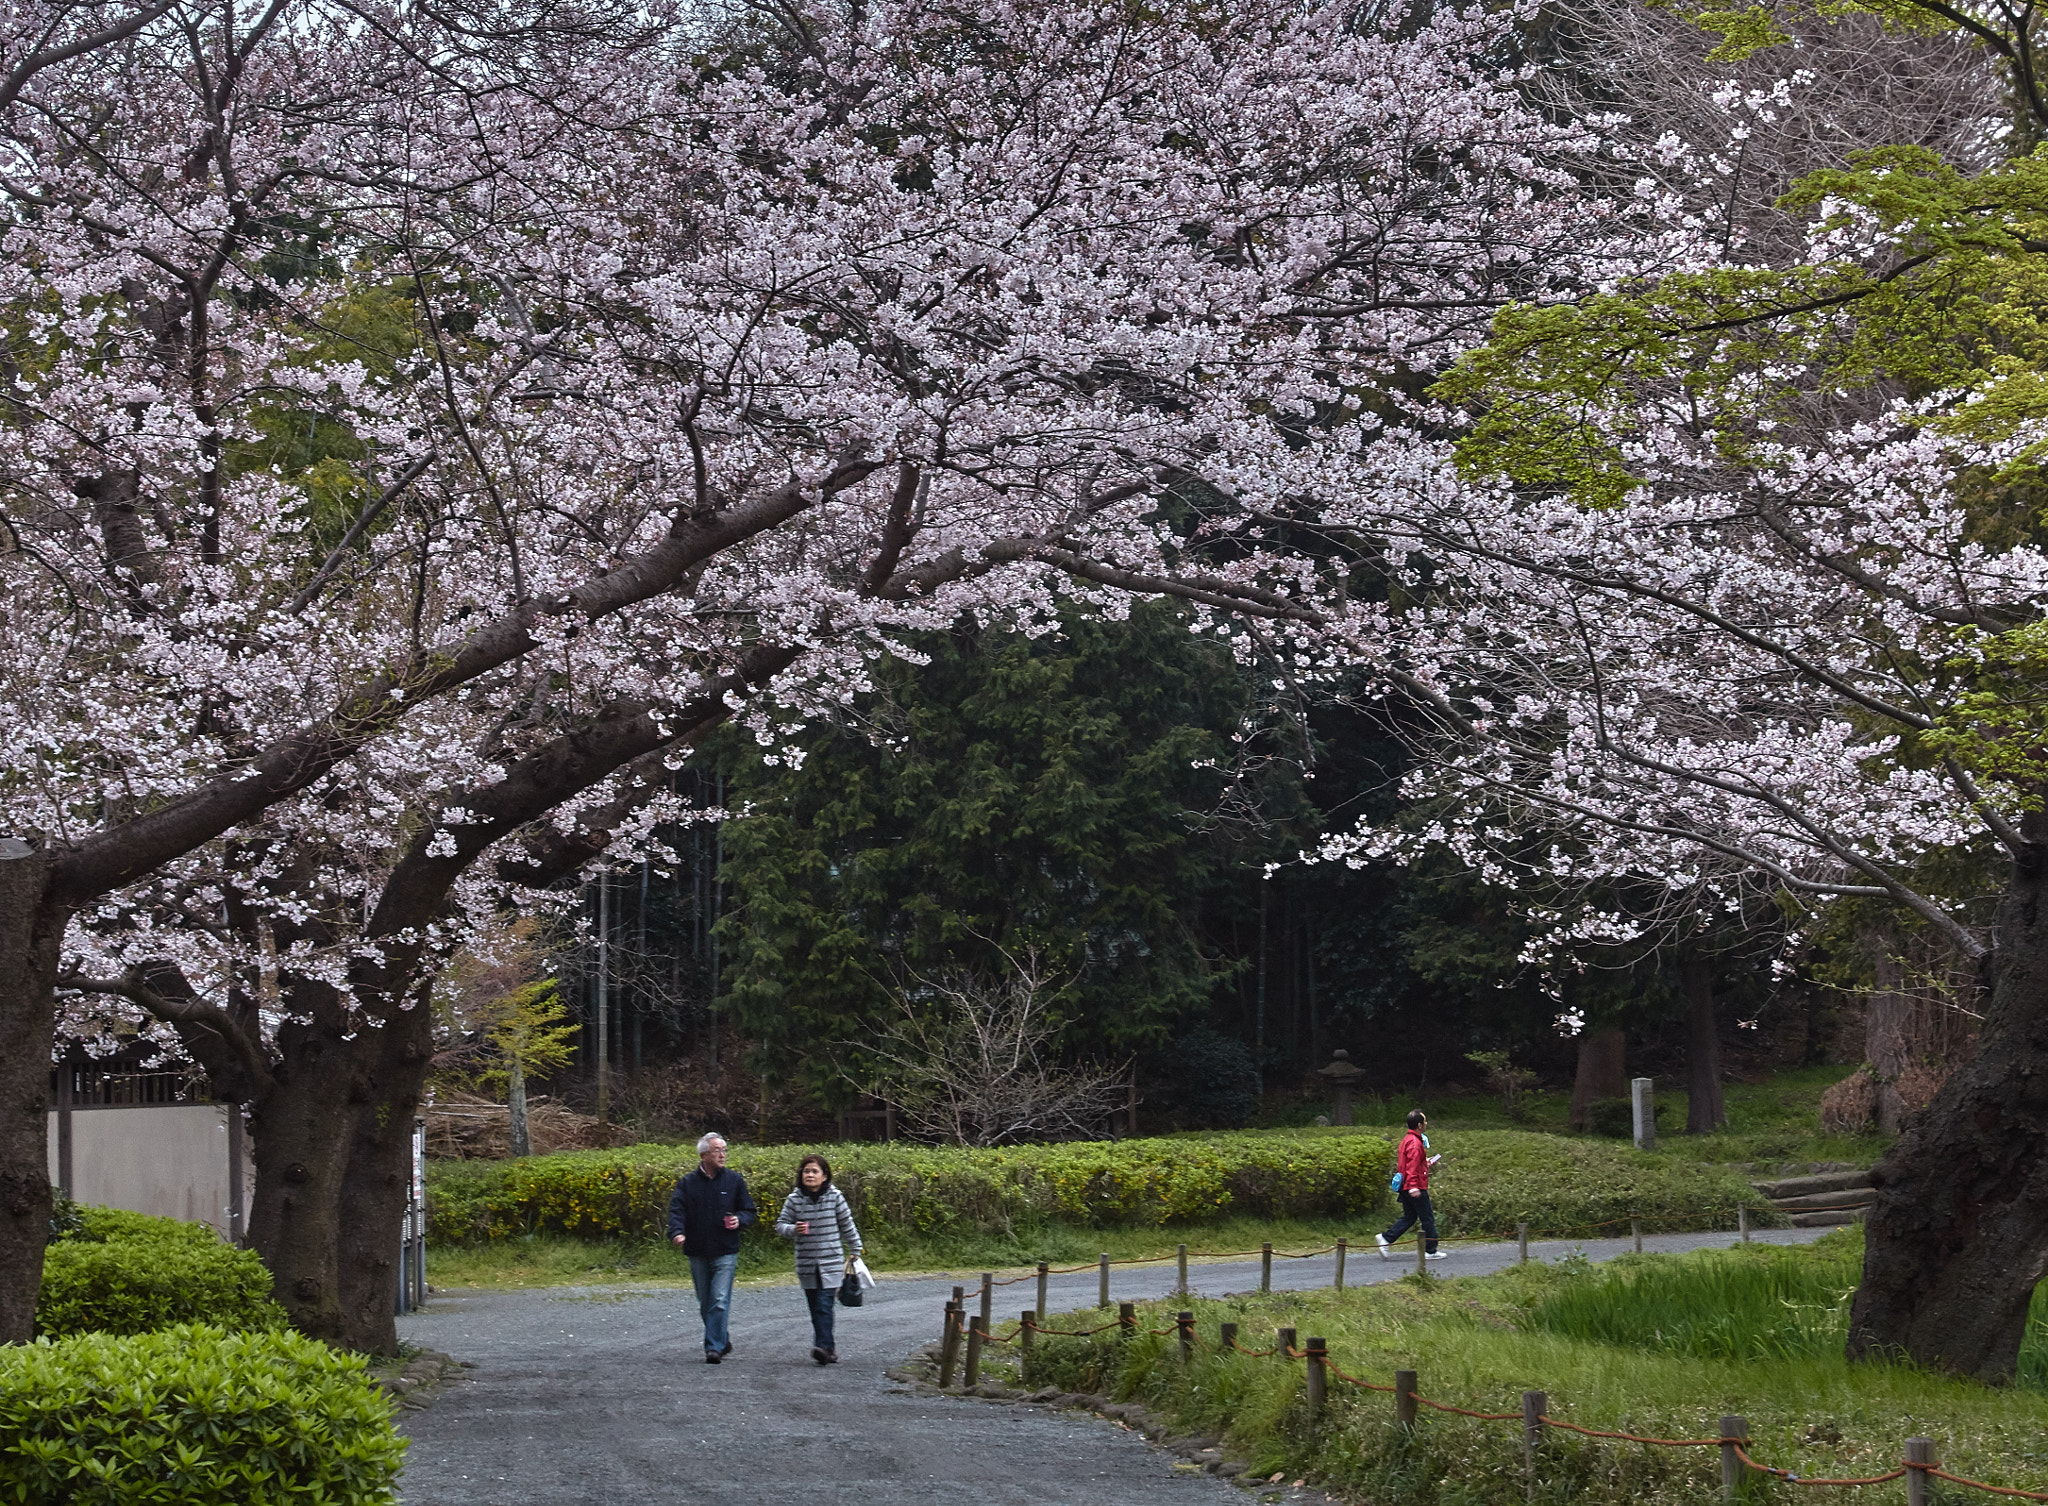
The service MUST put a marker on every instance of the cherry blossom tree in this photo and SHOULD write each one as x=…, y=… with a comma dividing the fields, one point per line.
x=423, y=427
x=1742, y=600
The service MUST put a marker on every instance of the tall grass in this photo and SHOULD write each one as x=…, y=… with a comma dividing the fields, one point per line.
x=1633, y=1347
x=1759, y=1303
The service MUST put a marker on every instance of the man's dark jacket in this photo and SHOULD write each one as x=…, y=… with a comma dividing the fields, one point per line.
x=697, y=1210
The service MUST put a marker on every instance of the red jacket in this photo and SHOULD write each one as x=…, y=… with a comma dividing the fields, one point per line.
x=1412, y=1161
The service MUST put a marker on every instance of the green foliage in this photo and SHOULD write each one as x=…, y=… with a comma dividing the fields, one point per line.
x=1490, y=1180
x=1616, y=1117
x=1475, y=1343
x=931, y=1190
x=129, y=1273
x=1007, y=793
x=530, y=1029
x=192, y=1416
x=67, y=1219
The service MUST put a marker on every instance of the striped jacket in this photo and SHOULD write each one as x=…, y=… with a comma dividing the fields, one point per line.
x=820, y=1258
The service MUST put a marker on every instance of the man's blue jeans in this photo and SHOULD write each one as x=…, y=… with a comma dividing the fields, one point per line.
x=712, y=1276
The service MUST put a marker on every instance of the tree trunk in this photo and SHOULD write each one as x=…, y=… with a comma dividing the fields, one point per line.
x=1958, y=1237
x=31, y=939
x=1888, y=1034
x=379, y=1170
x=1705, y=1111
x=301, y=1128
x=1603, y=1071
x=515, y=1098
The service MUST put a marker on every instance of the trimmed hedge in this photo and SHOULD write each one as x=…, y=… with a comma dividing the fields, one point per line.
x=1489, y=1181
x=927, y=1189
x=192, y=1416
x=129, y=1273
x=1562, y=1185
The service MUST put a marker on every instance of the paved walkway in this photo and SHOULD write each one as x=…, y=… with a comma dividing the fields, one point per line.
x=600, y=1396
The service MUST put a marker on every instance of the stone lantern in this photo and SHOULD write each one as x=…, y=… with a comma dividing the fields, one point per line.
x=1343, y=1077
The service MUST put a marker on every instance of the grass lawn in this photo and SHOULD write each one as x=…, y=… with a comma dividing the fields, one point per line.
x=1659, y=1345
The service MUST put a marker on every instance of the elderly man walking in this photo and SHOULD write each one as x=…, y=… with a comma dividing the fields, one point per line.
x=705, y=1214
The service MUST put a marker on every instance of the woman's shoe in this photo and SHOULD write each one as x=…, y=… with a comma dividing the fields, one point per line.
x=821, y=1354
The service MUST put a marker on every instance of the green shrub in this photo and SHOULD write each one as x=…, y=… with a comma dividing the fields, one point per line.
x=129, y=1273
x=1616, y=1117
x=1491, y=1180
x=192, y=1416
x=608, y=1194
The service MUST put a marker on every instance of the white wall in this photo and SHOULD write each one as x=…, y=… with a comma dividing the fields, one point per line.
x=168, y=1159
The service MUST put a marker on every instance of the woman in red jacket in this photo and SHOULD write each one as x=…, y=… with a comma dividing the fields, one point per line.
x=1412, y=1161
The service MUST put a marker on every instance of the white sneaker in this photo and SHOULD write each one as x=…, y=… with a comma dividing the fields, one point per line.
x=1438, y=1255
x=1386, y=1250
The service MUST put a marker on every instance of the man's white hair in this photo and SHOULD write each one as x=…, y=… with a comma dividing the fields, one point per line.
x=708, y=1141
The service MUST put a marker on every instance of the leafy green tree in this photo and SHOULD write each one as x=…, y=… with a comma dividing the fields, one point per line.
x=1009, y=793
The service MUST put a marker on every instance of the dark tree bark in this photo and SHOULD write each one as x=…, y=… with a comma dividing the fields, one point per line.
x=1958, y=1237
x=31, y=933
x=372, y=1205
x=1603, y=1071
x=1705, y=1111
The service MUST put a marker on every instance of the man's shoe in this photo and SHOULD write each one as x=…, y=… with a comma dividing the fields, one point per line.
x=1386, y=1250
x=831, y=1356
x=713, y=1356
x=1438, y=1255
x=725, y=1351
x=818, y=1354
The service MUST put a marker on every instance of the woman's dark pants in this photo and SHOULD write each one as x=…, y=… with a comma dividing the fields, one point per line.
x=820, y=1299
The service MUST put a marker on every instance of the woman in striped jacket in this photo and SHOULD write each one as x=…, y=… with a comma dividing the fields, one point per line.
x=816, y=1216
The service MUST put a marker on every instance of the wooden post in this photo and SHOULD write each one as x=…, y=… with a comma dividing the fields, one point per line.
x=1185, y=1322
x=1266, y=1266
x=1522, y=1235
x=238, y=1152
x=1342, y=1245
x=1318, y=1377
x=1635, y=1227
x=1532, y=1435
x=66, y=1077
x=949, y=1347
x=1742, y=1221
x=988, y=1292
x=1421, y=1253
x=1286, y=1337
x=1404, y=1398
x=1733, y=1430
x=1025, y=1335
x=976, y=1334
x=1229, y=1339
x=1182, y=1288
x=1127, y=1320
x=1042, y=1273
x=1103, y=1300
x=1919, y=1459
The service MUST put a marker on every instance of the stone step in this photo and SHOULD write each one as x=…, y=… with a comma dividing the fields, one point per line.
x=1827, y=1218
x=1816, y=1202
x=1827, y=1181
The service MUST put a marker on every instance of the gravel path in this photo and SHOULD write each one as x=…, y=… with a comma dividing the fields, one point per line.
x=598, y=1396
